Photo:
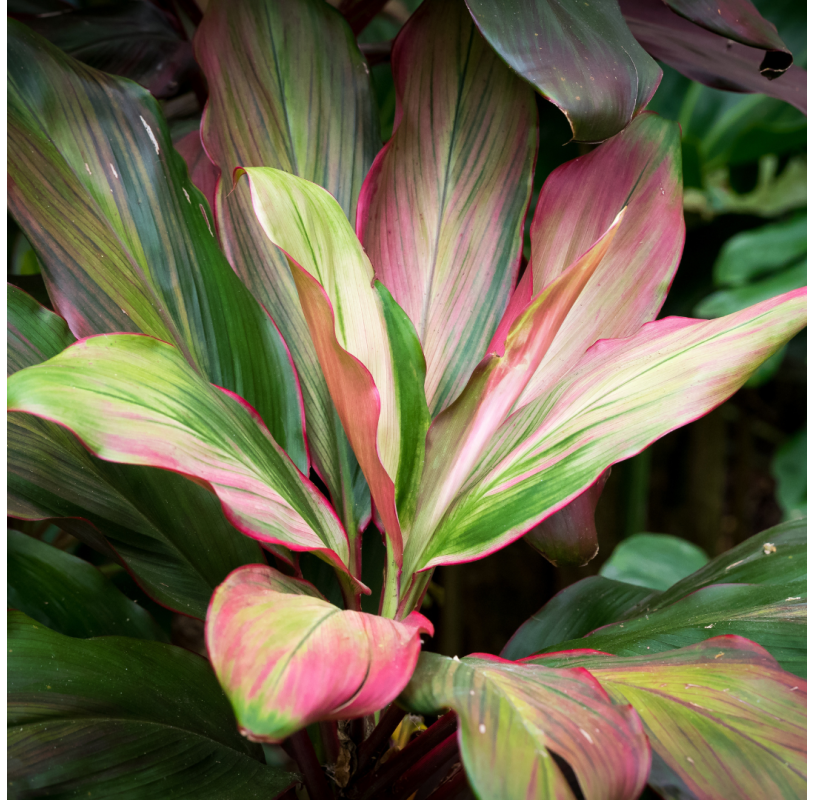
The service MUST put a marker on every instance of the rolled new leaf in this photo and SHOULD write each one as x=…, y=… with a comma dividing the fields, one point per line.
x=580, y=56
x=441, y=210
x=512, y=717
x=286, y=657
x=135, y=400
x=621, y=396
x=722, y=718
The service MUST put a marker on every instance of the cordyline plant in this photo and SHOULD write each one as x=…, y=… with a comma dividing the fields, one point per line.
x=303, y=335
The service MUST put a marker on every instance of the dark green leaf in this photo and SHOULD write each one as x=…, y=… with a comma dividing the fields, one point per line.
x=124, y=718
x=70, y=595
x=653, y=560
x=574, y=612
x=789, y=469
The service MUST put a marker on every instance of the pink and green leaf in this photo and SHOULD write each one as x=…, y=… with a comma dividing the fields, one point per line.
x=286, y=657
x=641, y=170
x=441, y=210
x=292, y=70
x=709, y=58
x=721, y=715
x=621, y=396
x=134, y=400
x=125, y=239
x=384, y=415
x=580, y=56
x=203, y=173
x=512, y=717
x=459, y=435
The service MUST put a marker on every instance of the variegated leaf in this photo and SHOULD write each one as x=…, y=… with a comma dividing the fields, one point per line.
x=441, y=211
x=291, y=69
x=125, y=239
x=286, y=657
x=513, y=716
x=724, y=721
x=134, y=400
x=621, y=396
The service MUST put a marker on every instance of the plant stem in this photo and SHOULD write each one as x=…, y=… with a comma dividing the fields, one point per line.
x=330, y=740
x=451, y=788
x=372, y=785
x=372, y=748
x=414, y=594
x=389, y=604
x=413, y=778
x=301, y=750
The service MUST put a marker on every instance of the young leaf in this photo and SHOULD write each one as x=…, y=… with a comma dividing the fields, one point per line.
x=441, y=210
x=287, y=658
x=291, y=69
x=581, y=57
x=512, y=715
x=171, y=533
x=709, y=58
x=120, y=717
x=383, y=414
x=124, y=236
x=134, y=399
x=70, y=595
x=622, y=395
x=721, y=715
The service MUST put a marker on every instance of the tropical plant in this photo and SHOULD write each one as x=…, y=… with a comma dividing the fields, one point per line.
x=295, y=337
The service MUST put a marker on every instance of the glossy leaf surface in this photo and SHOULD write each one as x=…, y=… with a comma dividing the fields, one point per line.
x=292, y=70
x=117, y=717
x=708, y=57
x=171, y=533
x=581, y=57
x=287, y=658
x=512, y=715
x=653, y=560
x=441, y=210
x=358, y=332
x=621, y=396
x=573, y=612
x=721, y=715
x=124, y=236
x=70, y=595
x=134, y=400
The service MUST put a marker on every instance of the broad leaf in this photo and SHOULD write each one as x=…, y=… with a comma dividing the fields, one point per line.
x=441, y=211
x=203, y=173
x=287, y=658
x=134, y=400
x=367, y=348
x=291, y=69
x=639, y=170
x=513, y=716
x=118, y=717
x=171, y=533
x=573, y=612
x=133, y=38
x=621, y=396
x=569, y=536
x=707, y=57
x=724, y=719
x=70, y=595
x=580, y=56
x=458, y=436
x=125, y=238
x=653, y=560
